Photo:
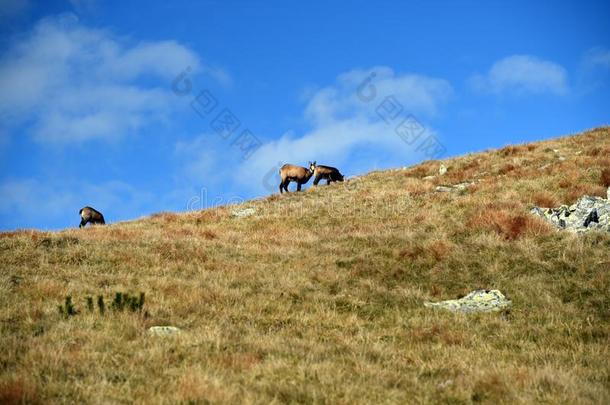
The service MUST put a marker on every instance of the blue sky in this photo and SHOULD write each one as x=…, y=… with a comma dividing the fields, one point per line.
x=123, y=105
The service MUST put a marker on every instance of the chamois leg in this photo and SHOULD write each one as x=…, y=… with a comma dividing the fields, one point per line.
x=281, y=186
x=316, y=180
x=298, y=186
x=327, y=182
x=82, y=223
x=286, y=184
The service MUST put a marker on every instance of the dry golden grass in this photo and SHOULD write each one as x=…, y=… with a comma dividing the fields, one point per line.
x=318, y=297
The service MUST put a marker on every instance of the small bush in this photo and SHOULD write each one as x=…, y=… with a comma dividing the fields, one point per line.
x=90, y=306
x=100, y=304
x=120, y=302
x=507, y=168
x=509, y=226
x=545, y=199
x=68, y=308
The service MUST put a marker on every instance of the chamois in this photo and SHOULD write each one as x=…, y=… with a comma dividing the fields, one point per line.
x=299, y=174
x=90, y=215
x=326, y=172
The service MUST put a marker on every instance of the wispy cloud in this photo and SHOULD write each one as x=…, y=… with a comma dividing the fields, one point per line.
x=597, y=57
x=418, y=94
x=345, y=130
x=522, y=74
x=66, y=82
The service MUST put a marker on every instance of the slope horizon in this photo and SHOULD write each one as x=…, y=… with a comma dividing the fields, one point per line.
x=307, y=186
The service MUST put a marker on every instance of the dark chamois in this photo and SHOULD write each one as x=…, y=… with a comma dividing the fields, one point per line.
x=299, y=174
x=326, y=172
x=90, y=215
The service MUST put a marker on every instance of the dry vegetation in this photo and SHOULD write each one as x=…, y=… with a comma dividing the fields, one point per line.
x=318, y=297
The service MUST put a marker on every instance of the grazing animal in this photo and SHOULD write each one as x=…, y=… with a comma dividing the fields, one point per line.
x=299, y=174
x=90, y=215
x=326, y=172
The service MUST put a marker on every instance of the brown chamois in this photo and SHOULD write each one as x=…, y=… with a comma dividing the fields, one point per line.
x=299, y=174
x=90, y=215
x=326, y=172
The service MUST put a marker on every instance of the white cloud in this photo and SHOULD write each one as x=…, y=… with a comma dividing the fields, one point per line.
x=597, y=57
x=68, y=82
x=197, y=157
x=346, y=131
x=417, y=94
x=521, y=74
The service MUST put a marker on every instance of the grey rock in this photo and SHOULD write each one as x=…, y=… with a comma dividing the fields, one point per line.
x=455, y=187
x=163, y=330
x=588, y=213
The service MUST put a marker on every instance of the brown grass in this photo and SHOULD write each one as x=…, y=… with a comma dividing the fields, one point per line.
x=605, y=177
x=318, y=298
x=509, y=225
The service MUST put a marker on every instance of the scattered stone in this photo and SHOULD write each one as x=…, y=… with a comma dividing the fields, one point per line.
x=163, y=330
x=586, y=214
x=544, y=166
x=442, y=170
x=246, y=212
x=444, y=384
x=428, y=177
x=476, y=301
x=454, y=188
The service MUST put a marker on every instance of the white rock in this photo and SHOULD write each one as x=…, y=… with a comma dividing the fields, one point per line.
x=163, y=330
x=246, y=212
x=455, y=187
x=442, y=170
x=608, y=193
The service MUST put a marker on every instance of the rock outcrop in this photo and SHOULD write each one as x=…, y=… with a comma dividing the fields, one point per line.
x=455, y=187
x=476, y=301
x=586, y=214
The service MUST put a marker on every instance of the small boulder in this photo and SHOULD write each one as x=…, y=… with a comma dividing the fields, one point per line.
x=163, y=330
x=243, y=213
x=455, y=187
x=442, y=170
x=476, y=301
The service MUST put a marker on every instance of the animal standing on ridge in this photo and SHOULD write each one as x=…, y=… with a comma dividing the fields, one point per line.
x=90, y=215
x=298, y=174
x=326, y=172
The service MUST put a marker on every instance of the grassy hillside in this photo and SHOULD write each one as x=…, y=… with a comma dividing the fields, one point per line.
x=318, y=296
